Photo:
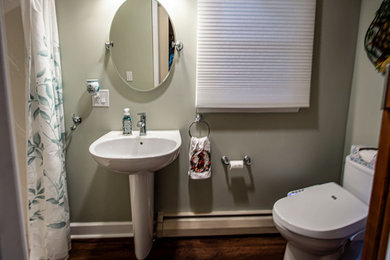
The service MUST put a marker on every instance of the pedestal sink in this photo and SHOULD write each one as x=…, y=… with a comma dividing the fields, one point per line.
x=139, y=157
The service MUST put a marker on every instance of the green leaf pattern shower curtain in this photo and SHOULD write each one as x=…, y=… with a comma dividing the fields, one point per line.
x=48, y=211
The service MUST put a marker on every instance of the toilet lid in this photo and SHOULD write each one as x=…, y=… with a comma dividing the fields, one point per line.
x=325, y=211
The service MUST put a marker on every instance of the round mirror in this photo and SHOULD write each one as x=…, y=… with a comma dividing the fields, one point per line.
x=143, y=44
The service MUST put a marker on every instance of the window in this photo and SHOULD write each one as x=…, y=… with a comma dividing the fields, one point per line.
x=254, y=55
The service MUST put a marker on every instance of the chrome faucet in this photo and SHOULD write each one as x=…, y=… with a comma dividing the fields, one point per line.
x=142, y=123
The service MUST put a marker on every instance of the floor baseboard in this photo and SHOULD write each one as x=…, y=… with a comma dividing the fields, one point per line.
x=185, y=224
x=87, y=230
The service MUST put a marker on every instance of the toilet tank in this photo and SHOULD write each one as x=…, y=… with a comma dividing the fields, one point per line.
x=358, y=180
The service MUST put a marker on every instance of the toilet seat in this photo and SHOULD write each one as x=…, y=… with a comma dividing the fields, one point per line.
x=325, y=211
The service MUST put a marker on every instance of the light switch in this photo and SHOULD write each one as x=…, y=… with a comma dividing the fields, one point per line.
x=103, y=100
x=129, y=75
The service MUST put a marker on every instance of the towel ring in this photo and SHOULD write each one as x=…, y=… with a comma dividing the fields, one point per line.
x=199, y=120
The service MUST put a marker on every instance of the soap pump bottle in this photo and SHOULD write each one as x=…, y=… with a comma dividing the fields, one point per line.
x=126, y=122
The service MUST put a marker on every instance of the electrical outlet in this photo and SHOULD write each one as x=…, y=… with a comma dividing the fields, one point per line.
x=129, y=76
x=103, y=100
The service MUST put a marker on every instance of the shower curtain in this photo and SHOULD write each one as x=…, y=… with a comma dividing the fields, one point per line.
x=48, y=211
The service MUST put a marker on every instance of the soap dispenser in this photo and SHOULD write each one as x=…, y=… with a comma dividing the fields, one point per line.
x=126, y=122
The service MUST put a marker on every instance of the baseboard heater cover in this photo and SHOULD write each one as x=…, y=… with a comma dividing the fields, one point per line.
x=215, y=224
x=185, y=224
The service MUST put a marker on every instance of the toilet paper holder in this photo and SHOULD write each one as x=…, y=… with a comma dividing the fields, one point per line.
x=247, y=160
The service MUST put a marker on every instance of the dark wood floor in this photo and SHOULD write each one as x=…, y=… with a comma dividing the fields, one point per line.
x=268, y=247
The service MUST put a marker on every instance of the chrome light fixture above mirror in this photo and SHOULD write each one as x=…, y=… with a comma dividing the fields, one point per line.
x=143, y=44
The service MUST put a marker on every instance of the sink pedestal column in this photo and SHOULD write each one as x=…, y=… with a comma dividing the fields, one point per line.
x=142, y=208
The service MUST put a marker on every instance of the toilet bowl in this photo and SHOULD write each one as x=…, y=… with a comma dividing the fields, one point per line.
x=301, y=247
x=318, y=221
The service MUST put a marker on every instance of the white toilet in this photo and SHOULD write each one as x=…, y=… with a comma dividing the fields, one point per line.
x=318, y=221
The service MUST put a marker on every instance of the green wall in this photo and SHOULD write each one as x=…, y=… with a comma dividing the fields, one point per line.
x=288, y=151
x=364, y=116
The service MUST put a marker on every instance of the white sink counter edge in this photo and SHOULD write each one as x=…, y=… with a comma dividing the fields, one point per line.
x=172, y=134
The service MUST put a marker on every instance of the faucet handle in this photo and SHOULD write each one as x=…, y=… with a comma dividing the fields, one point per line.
x=142, y=114
x=142, y=123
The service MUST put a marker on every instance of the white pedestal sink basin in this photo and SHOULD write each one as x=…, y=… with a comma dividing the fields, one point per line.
x=139, y=157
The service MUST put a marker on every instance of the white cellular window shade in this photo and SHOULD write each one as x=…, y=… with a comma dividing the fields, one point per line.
x=254, y=54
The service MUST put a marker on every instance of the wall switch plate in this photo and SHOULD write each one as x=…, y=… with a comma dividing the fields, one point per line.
x=129, y=75
x=103, y=100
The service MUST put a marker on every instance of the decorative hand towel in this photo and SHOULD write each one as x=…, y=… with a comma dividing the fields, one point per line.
x=199, y=154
